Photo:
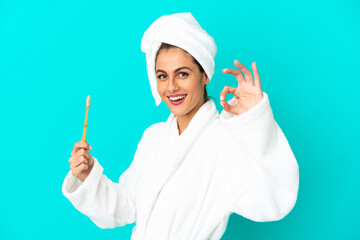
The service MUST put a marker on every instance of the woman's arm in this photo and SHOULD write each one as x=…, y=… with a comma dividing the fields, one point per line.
x=263, y=181
x=106, y=203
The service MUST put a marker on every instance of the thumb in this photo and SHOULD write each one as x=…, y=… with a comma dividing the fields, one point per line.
x=88, y=144
x=227, y=107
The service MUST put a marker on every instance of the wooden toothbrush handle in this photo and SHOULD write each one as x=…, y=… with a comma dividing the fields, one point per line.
x=85, y=125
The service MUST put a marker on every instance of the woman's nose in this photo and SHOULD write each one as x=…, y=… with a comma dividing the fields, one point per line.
x=172, y=86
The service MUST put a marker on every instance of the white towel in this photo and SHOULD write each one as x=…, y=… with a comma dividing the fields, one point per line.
x=181, y=30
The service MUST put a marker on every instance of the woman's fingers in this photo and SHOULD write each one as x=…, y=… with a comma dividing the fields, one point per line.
x=256, y=75
x=81, y=152
x=236, y=73
x=247, y=73
x=80, y=160
x=80, y=164
x=75, y=162
x=225, y=91
x=79, y=145
x=77, y=170
x=227, y=107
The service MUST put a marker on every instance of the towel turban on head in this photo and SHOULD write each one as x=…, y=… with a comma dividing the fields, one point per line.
x=181, y=30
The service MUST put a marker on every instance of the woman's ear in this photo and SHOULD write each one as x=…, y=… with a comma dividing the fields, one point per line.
x=206, y=79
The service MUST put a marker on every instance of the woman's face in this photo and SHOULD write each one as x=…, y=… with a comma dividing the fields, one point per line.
x=180, y=82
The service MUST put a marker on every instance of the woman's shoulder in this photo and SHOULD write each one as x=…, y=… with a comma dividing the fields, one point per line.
x=150, y=134
x=154, y=127
x=153, y=130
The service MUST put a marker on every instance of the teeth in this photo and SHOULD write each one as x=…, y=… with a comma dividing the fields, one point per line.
x=177, y=98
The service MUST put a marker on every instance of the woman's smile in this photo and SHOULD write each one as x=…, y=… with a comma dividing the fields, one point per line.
x=177, y=99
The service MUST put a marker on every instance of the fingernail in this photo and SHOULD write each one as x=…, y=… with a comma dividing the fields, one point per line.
x=221, y=98
x=222, y=104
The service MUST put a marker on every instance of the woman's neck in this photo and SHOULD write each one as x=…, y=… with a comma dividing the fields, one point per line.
x=182, y=123
x=184, y=120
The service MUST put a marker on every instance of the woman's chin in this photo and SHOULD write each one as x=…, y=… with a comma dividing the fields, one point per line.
x=177, y=112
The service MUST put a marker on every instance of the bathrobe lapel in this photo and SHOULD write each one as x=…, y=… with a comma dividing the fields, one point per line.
x=172, y=148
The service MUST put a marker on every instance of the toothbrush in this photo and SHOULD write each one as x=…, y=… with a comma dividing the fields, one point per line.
x=86, y=118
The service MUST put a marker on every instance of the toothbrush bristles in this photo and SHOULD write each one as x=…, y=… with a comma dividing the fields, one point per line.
x=88, y=101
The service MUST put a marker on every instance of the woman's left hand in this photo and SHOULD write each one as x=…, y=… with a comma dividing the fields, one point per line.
x=247, y=93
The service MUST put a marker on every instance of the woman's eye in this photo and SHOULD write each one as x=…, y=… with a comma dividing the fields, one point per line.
x=184, y=73
x=160, y=76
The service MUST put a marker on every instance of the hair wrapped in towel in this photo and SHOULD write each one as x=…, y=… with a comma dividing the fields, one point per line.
x=181, y=30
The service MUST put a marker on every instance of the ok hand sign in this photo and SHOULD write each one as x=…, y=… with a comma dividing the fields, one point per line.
x=247, y=93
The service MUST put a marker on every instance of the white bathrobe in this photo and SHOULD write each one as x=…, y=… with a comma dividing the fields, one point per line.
x=186, y=187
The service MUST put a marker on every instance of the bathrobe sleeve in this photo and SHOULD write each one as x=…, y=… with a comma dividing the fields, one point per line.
x=108, y=204
x=263, y=177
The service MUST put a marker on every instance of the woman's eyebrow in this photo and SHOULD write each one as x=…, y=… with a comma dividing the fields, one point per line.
x=159, y=70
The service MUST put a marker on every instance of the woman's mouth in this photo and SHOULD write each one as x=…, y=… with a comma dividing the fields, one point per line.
x=177, y=99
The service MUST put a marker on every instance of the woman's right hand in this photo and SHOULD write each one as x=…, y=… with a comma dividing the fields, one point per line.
x=81, y=161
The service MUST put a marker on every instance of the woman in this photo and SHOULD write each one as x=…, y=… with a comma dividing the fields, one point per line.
x=194, y=170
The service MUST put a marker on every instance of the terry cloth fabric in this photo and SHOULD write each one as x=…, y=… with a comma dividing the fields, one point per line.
x=181, y=30
x=186, y=186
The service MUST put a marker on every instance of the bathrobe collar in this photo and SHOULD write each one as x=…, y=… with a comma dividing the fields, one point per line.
x=202, y=117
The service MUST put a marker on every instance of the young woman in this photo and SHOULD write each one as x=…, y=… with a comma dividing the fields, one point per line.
x=194, y=170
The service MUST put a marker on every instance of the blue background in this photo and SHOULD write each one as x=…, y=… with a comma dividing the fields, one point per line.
x=55, y=53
